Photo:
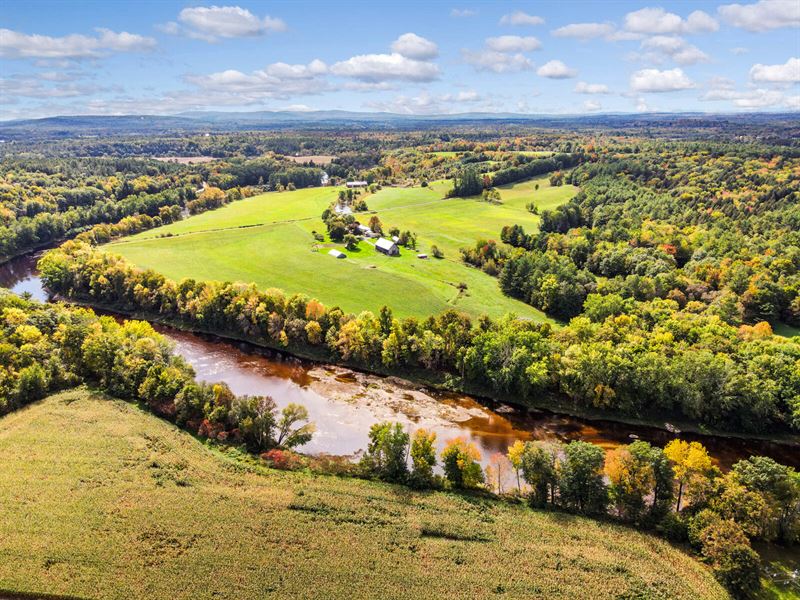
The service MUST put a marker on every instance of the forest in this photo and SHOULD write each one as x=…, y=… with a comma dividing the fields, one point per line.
x=668, y=284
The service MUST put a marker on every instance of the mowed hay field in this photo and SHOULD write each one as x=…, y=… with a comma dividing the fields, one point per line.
x=268, y=240
x=103, y=500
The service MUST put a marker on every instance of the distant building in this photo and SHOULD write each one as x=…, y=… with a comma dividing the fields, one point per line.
x=356, y=184
x=337, y=254
x=422, y=256
x=366, y=231
x=387, y=247
x=395, y=239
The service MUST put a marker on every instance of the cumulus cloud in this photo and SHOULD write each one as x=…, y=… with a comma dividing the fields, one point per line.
x=15, y=87
x=785, y=73
x=555, y=69
x=739, y=50
x=521, y=18
x=413, y=46
x=673, y=47
x=463, y=12
x=763, y=15
x=513, y=43
x=14, y=44
x=497, y=62
x=278, y=80
x=658, y=21
x=591, y=88
x=386, y=67
x=655, y=81
x=210, y=23
x=592, y=106
x=426, y=103
x=584, y=31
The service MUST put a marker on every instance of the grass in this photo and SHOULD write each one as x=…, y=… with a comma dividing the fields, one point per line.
x=103, y=500
x=785, y=330
x=268, y=240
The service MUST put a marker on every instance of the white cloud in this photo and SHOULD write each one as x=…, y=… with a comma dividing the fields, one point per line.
x=15, y=87
x=497, y=62
x=210, y=23
x=555, y=69
x=278, y=80
x=676, y=48
x=463, y=12
x=759, y=99
x=592, y=106
x=584, y=31
x=521, y=18
x=658, y=21
x=591, y=88
x=739, y=50
x=385, y=67
x=428, y=104
x=785, y=73
x=14, y=44
x=763, y=15
x=513, y=43
x=792, y=102
x=413, y=46
x=655, y=81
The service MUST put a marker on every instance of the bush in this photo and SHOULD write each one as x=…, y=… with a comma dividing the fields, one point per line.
x=285, y=460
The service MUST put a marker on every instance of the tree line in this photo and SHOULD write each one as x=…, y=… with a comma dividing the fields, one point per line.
x=45, y=348
x=650, y=359
x=677, y=492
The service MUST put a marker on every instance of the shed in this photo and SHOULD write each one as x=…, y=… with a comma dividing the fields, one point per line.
x=336, y=253
x=395, y=239
x=422, y=256
x=387, y=247
x=356, y=184
x=365, y=231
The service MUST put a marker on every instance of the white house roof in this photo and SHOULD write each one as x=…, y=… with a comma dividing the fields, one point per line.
x=364, y=228
x=384, y=244
x=336, y=253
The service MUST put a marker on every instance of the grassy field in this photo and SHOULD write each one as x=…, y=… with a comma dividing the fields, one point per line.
x=103, y=500
x=268, y=240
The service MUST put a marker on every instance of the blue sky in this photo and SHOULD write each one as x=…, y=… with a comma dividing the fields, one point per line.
x=571, y=56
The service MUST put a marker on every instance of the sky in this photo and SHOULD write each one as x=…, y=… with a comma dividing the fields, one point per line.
x=432, y=57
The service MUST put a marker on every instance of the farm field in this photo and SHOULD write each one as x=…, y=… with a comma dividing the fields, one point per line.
x=268, y=240
x=104, y=500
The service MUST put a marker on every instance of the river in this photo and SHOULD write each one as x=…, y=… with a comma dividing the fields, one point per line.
x=344, y=403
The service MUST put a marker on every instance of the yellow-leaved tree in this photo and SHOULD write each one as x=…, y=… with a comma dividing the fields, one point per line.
x=690, y=463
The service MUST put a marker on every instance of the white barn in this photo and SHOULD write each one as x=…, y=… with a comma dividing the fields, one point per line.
x=356, y=184
x=387, y=247
x=337, y=254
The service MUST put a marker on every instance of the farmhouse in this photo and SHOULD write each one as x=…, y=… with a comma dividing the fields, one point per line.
x=387, y=247
x=337, y=254
x=356, y=184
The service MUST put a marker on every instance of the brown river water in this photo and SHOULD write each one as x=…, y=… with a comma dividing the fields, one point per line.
x=344, y=403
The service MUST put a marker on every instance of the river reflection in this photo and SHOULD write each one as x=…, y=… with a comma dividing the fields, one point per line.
x=344, y=403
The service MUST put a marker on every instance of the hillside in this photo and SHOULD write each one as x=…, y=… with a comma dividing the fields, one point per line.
x=103, y=500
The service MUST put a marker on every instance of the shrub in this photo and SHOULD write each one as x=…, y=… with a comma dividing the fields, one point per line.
x=285, y=460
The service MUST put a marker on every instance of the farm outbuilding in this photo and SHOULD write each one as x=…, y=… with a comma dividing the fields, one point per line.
x=365, y=231
x=387, y=247
x=423, y=256
x=337, y=254
x=356, y=184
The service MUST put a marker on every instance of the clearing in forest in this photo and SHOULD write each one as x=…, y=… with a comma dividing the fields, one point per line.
x=268, y=240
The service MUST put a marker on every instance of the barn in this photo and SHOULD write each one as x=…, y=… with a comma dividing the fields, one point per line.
x=337, y=254
x=387, y=247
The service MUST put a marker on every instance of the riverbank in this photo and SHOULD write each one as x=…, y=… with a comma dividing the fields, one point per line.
x=444, y=384
x=346, y=401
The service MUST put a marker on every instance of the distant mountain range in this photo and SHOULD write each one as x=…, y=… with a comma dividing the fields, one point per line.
x=202, y=121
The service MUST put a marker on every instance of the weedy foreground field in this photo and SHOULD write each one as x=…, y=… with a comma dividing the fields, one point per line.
x=103, y=500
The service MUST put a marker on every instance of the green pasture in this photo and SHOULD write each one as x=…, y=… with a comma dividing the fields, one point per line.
x=268, y=240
